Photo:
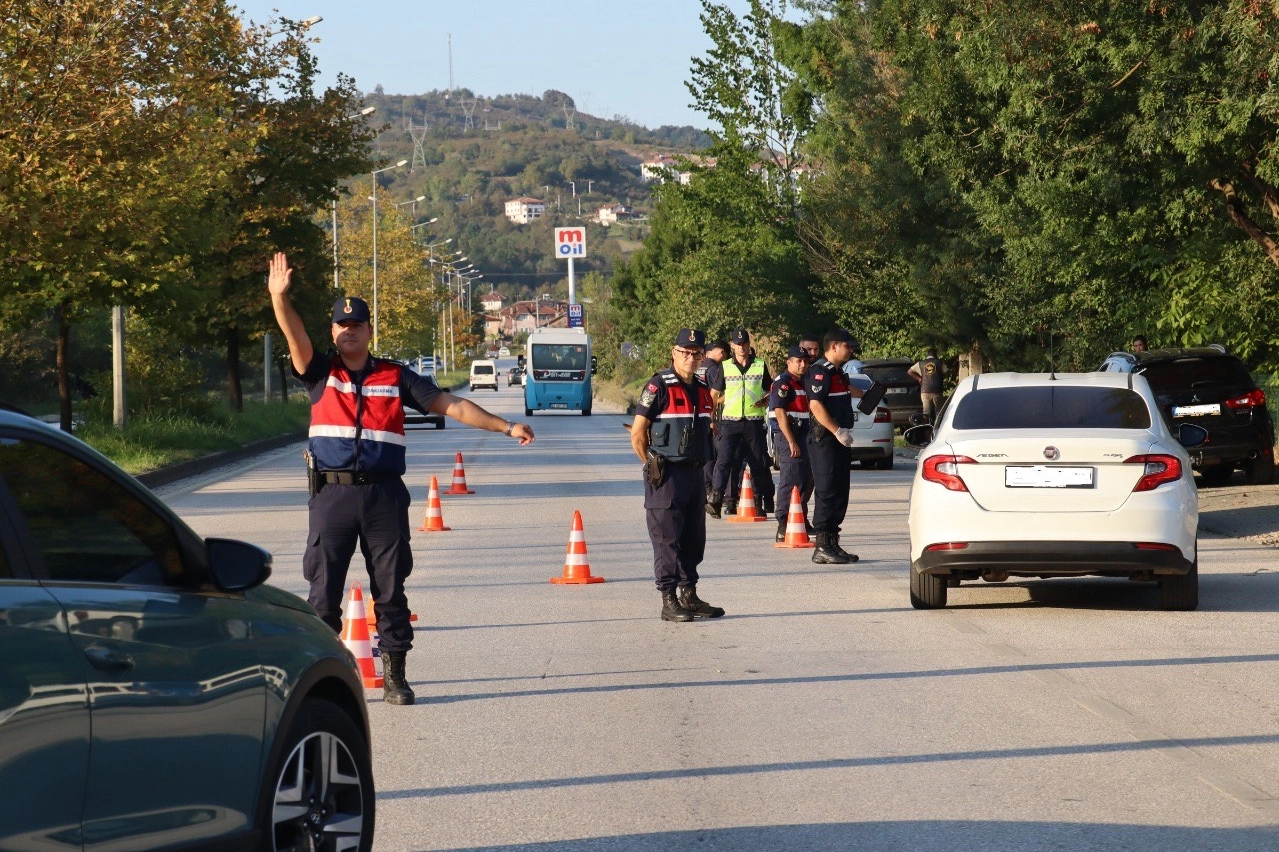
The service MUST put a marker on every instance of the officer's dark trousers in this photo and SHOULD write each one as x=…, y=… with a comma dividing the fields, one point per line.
x=377, y=515
x=795, y=473
x=738, y=439
x=830, y=460
x=676, y=515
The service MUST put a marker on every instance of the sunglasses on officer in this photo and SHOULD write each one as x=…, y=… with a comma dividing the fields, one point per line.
x=689, y=353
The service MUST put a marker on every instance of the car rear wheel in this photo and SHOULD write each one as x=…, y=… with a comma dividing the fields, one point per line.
x=886, y=463
x=927, y=591
x=322, y=792
x=439, y=424
x=586, y=412
x=528, y=412
x=1261, y=470
x=1180, y=592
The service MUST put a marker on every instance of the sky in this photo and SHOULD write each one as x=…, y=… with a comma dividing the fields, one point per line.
x=613, y=59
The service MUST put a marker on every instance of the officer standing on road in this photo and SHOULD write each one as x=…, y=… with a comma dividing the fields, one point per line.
x=830, y=406
x=928, y=373
x=741, y=425
x=671, y=435
x=788, y=407
x=710, y=372
x=356, y=466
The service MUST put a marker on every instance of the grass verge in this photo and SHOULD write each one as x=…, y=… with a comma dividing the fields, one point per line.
x=151, y=442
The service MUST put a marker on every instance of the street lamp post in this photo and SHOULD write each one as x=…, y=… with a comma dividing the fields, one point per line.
x=377, y=172
x=367, y=111
x=414, y=202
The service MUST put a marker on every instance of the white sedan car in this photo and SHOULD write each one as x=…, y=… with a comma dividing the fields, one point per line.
x=1053, y=475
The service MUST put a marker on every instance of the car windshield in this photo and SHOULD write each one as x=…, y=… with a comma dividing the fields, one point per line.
x=1196, y=373
x=559, y=356
x=889, y=373
x=1052, y=407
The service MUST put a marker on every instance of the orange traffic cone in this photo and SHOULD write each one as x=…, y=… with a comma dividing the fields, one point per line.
x=576, y=568
x=434, y=520
x=459, y=478
x=746, y=511
x=355, y=635
x=796, y=531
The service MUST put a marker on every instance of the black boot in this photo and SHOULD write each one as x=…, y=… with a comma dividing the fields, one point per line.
x=395, y=689
x=768, y=508
x=713, y=505
x=671, y=609
x=689, y=600
x=834, y=545
x=781, y=530
x=825, y=554
x=730, y=507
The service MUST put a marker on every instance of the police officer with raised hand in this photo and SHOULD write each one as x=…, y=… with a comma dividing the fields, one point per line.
x=671, y=435
x=356, y=453
x=830, y=406
x=788, y=407
x=740, y=434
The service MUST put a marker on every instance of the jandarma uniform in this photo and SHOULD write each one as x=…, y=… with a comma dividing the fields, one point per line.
x=827, y=383
x=680, y=432
x=789, y=395
x=357, y=442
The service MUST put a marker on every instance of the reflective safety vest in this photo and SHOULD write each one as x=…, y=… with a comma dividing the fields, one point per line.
x=359, y=426
x=682, y=430
x=743, y=392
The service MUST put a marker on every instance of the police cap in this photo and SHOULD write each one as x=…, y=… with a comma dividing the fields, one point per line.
x=797, y=352
x=739, y=336
x=350, y=309
x=691, y=337
x=841, y=335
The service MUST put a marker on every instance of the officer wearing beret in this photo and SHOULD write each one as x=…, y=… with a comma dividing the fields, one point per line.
x=356, y=451
x=743, y=392
x=788, y=417
x=671, y=435
x=830, y=406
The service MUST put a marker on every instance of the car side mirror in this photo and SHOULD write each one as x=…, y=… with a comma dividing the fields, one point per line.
x=235, y=566
x=594, y=364
x=1191, y=435
x=919, y=436
x=520, y=360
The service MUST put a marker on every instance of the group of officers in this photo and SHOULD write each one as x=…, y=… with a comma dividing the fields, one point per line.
x=694, y=428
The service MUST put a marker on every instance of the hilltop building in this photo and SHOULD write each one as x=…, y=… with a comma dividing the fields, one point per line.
x=613, y=214
x=523, y=210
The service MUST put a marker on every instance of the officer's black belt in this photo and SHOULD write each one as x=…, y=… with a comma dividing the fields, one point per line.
x=354, y=477
x=744, y=419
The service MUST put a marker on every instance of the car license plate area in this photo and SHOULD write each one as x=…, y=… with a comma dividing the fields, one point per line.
x=559, y=405
x=1207, y=410
x=1048, y=476
x=897, y=390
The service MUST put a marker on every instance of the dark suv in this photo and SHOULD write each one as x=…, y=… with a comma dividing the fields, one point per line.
x=902, y=396
x=1212, y=388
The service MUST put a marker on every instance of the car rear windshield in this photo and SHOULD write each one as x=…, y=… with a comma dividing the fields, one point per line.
x=889, y=374
x=1049, y=407
x=483, y=368
x=1190, y=373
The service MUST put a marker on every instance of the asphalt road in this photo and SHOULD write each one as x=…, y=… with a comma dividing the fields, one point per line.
x=822, y=713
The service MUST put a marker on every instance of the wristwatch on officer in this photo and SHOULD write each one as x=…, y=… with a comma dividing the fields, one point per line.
x=510, y=425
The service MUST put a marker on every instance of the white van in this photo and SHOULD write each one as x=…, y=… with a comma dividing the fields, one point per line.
x=483, y=374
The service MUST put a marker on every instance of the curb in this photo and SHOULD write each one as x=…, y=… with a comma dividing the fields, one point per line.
x=194, y=467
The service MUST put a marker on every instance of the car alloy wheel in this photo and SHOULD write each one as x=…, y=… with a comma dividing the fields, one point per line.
x=323, y=797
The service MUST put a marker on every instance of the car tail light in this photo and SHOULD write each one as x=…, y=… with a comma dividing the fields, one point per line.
x=944, y=470
x=1159, y=469
x=1254, y=398
x=883, y=415
x=947, y=545
x=1153, y=545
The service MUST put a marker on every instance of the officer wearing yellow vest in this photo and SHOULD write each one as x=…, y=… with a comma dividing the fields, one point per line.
x=743, y=390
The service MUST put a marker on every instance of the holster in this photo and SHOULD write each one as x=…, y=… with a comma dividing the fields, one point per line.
x=314, y=480
x=819, y=432
x=655, y=468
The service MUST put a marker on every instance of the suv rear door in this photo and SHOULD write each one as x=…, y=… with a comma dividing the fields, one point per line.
x=1199, y=390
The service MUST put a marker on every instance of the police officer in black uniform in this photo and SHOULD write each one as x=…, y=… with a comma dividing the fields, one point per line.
x=671, y=435
x=788, y=418
x=357, y=451
x=830, y=405
x=711, y=372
